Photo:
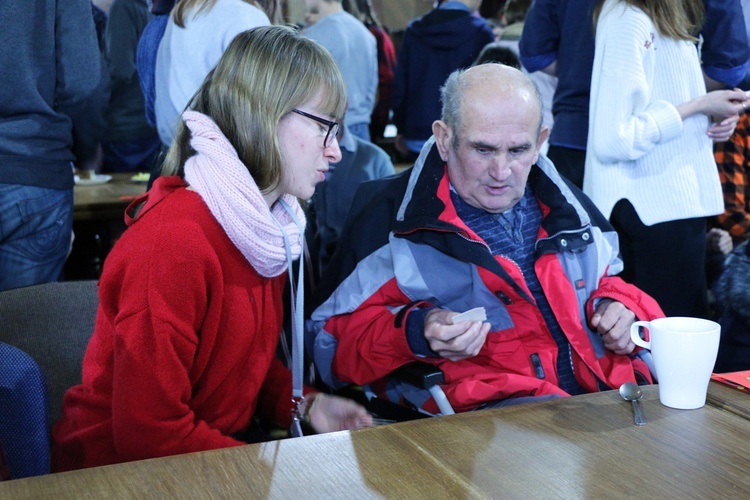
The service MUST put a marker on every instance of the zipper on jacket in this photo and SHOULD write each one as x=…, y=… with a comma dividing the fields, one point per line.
x=504, y=298
x=460, y=234
x=537, y=363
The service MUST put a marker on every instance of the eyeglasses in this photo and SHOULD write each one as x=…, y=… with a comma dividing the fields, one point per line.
x=333, y=127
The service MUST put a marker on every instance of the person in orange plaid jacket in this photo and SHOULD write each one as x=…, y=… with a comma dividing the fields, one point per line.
x=733, y=161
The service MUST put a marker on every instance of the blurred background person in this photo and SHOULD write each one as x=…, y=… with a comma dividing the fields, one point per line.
x=196, y=36
x=330, y=205
x=130, y=144
x=733, y=161
x=362, y=10
x=650, y=167
x=51, y=74
x=145, y=57
x=732, y=294
x=447, y=38
x=496, y=53
x=513, y=16
x=558, y=39
x=354, y=49
x=730, y=228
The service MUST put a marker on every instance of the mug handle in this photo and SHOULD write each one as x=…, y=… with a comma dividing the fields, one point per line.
x=635, y=335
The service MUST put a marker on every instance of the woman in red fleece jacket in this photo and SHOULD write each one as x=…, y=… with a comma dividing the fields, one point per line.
x=183, y=351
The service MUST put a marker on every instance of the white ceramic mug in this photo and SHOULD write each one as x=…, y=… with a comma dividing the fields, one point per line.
x=684, y=352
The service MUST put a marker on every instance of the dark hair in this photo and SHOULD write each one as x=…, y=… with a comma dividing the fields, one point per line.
x=497, y=53
x=515, y=11
x=362, y=10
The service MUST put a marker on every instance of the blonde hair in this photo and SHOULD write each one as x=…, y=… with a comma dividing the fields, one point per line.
x=264, y=74
x=184, y=7
x=676, y=19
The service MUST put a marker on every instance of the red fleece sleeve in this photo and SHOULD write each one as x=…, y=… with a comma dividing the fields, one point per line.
x=151, y=390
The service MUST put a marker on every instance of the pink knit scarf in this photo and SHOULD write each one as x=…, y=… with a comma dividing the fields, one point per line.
x=233, y=197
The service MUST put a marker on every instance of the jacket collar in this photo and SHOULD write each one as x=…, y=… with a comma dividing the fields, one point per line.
x=426, y=202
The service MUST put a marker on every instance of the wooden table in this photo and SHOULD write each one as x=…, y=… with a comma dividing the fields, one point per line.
x=106, y=201
x=98, y=221
x=582, y=447
x=730, y=399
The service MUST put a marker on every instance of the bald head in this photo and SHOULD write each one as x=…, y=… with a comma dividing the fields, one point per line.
x=485, y=82
x=491, y=135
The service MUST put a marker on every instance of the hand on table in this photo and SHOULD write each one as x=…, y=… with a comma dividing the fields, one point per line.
x=333, y=413
x=612, y=321
x=454, y=342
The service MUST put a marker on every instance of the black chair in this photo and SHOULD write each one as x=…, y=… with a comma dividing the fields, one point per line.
x=416, y=376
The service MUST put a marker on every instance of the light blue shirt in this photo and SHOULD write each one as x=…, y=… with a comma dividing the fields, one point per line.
x=355, y=51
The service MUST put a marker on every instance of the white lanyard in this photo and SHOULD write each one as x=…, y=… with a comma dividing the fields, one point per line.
x=297, y=294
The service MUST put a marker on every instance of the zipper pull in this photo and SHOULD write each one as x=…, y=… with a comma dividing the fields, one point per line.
x=537, y=363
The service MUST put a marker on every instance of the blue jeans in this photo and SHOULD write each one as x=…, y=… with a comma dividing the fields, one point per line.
x=36, y=225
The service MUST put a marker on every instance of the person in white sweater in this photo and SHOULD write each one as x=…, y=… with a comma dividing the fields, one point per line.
x=649, y=164
x=196, y=36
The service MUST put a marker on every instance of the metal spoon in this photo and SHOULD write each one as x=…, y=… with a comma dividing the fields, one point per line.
x=631, y=392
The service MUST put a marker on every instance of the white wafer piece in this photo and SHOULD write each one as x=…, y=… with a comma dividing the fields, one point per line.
x=476, y=314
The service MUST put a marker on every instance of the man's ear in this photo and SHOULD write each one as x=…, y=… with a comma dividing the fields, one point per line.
x=442, y=133
x=543, y=135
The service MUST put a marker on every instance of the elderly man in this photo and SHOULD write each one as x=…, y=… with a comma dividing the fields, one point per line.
x=481, y=220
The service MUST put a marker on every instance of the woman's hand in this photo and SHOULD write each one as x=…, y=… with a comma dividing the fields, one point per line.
x=722, y=104
x=719, y=105
x=720, y=132
x=328, y=413
x=723, y=108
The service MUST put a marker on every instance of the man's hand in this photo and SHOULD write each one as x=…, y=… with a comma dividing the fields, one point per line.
x=454, y=342
x=612, y=320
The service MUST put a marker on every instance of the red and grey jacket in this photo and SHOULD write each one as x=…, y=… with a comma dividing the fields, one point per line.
x=404, y=246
